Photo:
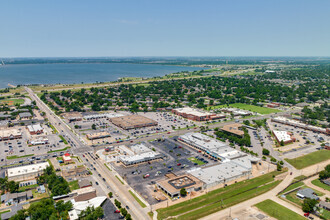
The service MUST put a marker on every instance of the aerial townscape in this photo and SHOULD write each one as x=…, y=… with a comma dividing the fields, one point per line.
x=161, y=137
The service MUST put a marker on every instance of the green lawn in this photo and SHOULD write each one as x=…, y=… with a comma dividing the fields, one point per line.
x=298, y=178
x=252, y=108
x=12, y=101
x=17, y=157
x=63, y=149
x=293, y=186
x=214, y=200
x=318, y=183
x=137, y=199
x=194, y=160
x=325, y=213
x=74, y=185
x=23, y=188
x=309, y=159
x=278, y=211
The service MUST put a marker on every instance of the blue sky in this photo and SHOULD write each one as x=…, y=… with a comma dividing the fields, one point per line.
x=60, y=28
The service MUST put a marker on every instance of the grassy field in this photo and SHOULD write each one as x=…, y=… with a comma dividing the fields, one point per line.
x=23, y=188
x=325, y=213
x=137, y=199
x=12, y=101
x=17, y=157
x=63, y=149
x=318, y=183
x=74, y=185
x=252, y=108
x=194, y=160
x=293, y=186
x=309, y=159
x=298, y=178
x=278, y=211
x=220, y=198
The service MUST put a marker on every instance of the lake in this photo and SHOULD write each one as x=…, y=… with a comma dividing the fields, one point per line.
x=20, y=74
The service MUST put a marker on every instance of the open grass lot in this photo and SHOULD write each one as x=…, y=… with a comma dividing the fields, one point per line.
x=325, y=213
x=194, y=160
x=252, y=108
x=277, y=211
x=12, y=101
x=309, y=159
x=293, y=186
x=137, y=199
x=220, y=198
x=318, y=183
x=74, y=185
x=24, y=188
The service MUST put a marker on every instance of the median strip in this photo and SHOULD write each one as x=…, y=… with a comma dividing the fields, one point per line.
x=137, y=199
x=120, y=180
x=17, y=157
x=63, y=149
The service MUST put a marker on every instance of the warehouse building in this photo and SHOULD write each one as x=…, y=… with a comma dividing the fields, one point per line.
x=211, y=146
x=25, y=173
x=225, y=172
x=133, y=121
x=298, y=124
x=285, y=136
x=196, y=115
x=10, y=134
x=35, y=129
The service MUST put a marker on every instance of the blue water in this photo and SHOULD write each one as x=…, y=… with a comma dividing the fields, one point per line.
x=77, y=73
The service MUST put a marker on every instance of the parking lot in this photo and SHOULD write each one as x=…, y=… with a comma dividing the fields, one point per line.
x=167, y=122
x=143, y=177
x=307, y=141
x=16, y=151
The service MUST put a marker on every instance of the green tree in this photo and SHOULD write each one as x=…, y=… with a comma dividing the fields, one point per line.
x=308, y=205
x=265, y=151
x=93, y=126
x=183, y=192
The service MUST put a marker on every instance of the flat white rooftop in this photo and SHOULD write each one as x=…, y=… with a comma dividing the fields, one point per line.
x=34, y=128
x=33, y=168
x=192, y=111
x=224, y=171
x=282, y=136
x=211, y=146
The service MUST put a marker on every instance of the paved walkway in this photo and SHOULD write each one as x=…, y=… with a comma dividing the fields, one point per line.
x=308, y=182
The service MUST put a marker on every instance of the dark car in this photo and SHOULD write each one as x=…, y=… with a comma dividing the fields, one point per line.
x=96, y=183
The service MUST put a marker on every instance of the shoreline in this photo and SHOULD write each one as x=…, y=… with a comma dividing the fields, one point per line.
x=115, y=77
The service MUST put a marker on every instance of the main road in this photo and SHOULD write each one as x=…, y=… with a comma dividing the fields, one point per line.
x=80, y=148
